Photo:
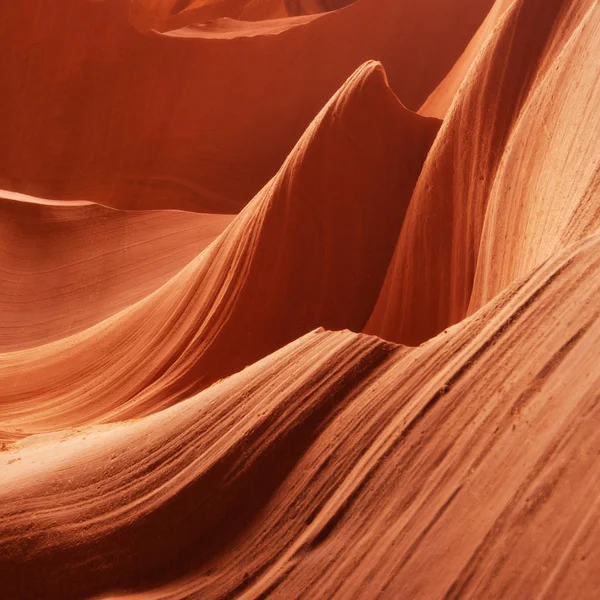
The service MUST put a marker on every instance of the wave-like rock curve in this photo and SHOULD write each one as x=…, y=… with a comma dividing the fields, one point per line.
x=65, y=266
x=430, y=281
x=198, y=119
x=259, y=484
x=311, y=249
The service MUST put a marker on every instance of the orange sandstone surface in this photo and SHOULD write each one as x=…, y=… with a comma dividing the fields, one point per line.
x=299, y=299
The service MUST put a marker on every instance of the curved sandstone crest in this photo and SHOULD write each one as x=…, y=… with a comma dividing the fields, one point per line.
x=545, y=194
x=209, y=497
x=362, y=362
x=65, y=266
x=170, y=14
x=308, y=250
x=493, y=137
x=439, y=101
x=136, y=119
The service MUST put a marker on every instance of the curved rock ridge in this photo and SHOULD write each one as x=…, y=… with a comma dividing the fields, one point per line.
x=312, y=248
x=439, y=101
x=185, y=458
x=203, y=222
x=430, y=281
x=339, y=439
x=170, y=14
x=546, y=193
x=65, y=266
x=136, y=119
x=164, y=15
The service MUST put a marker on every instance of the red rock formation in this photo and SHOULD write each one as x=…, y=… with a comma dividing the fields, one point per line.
x=66, y=266
x=307, y=250
x=168, y=14
x=545, y=195
x=188, y=407
x=262, y=483
x=198, y=119
x=438, y=103
x=430, y=280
